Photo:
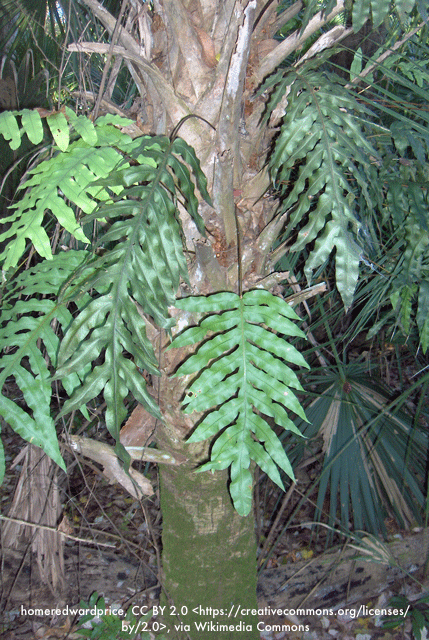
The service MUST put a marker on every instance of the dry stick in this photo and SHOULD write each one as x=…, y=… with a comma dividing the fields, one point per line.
x=285, y=16
x=62, y=65
x=175, y=106
x=271, y=534
x=45, y=527
x=108, y=59
x=154, y=541
x=100, y=506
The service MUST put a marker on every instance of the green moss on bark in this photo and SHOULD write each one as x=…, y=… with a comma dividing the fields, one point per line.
x=209, y=558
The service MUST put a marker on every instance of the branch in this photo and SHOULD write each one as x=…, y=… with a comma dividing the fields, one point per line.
x=286, y=15
x=45, y=527
x=305, y=294
x=109, y=22
x=135, y=483
x=176, y=107
x=109, y=59
x=295, y=41
x=384, y=55
x=142, y=454
x=326, y=40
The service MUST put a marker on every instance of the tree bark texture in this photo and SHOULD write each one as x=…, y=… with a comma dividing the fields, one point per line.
x=209, y=554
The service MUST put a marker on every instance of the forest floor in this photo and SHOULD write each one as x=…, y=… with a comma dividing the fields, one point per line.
x=114, y=548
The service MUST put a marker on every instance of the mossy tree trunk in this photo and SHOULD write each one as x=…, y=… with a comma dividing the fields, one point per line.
x=208, y=550
x=209, y=558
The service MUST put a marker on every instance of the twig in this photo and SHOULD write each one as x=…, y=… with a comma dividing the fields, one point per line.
x=175, y=106
x=271, y=534
x=108, y=59
x=383, y=56
x=134, y=482
x=45, y=527
x=295, y=41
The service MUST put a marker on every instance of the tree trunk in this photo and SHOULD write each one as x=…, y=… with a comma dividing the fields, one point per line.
x=209, y=558
x=208, y=550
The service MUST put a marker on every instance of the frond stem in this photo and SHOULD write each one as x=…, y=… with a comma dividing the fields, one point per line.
x=240, y=275
x=173, y=134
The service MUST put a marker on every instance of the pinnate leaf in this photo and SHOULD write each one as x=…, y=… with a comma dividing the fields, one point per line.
x=241, y=377
x=27, y=329
x=321, y=157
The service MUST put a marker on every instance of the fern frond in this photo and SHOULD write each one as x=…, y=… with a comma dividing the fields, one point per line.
x=324, y=153
x=61, y=184
x=364, y=10
x=30, y=346
x=139, y=275
x=243, y=380
x=406, y=210
x=32, y=125
x=379, y=10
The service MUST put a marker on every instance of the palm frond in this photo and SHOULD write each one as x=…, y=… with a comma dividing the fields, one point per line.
x=373, y=457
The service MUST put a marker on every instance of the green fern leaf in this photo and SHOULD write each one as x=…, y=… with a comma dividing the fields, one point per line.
x=83, y=126
x=102, y=325
x=59, y=127
x=66, y=177
x=139, y=275
x=32, y=124
x=404, y=8
x=324, y=149
x=361, y=12
x=27, y=330
x=379, y=9
x=9, y=129
x=242, y=376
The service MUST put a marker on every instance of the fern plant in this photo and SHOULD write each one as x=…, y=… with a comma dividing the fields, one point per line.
x=113, y=291
x=139, y=275
x=323, y=149
x=30, y=318
x=131, y=274
x=328, y=173
x=242, y=381
x=58, y=185
x=403, y=233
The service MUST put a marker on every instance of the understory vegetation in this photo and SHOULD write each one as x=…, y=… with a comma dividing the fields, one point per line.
x=248, y=266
